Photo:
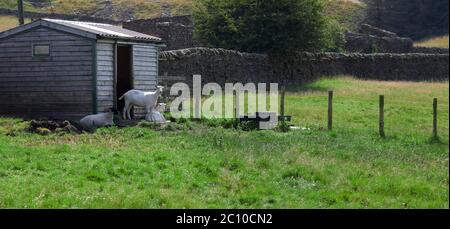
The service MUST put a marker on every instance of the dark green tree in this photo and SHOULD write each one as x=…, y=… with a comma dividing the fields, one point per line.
x=274, y=27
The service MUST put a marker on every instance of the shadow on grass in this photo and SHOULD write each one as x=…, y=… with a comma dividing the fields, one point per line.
x=307, y=88
x=435, y=140
x=314, y=86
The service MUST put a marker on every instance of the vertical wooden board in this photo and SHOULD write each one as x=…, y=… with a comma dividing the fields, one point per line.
x=105, y=69
x=144, y=62
x=144, y=71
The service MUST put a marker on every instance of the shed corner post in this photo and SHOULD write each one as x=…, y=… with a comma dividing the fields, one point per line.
x=133, y=76
x=94, y=78
x=157, y=66
x=115, y=102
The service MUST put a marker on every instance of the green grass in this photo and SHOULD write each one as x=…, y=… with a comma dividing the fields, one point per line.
x=408, y=107
x=437, y=42
x=205, y=167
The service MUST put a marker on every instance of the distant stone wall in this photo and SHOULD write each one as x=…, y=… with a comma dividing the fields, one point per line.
x=362, y=43
x=375, y=31
x=371, y=39
x=177, y=32
x=36, y=16
x=225, y=66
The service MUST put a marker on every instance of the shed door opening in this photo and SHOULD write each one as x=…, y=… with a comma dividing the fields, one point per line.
x=124, y=74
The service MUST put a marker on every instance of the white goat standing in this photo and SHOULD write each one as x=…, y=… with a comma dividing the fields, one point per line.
x=148, y=100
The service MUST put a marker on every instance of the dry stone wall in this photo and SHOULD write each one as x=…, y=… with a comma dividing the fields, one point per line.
x=225, y=66
x=370, y=39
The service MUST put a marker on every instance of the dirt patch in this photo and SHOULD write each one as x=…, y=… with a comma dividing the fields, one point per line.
x=46, y=127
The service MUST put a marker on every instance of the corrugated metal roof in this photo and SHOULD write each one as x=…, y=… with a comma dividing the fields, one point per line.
x=104, y=30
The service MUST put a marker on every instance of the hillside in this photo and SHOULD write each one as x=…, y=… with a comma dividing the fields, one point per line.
x=346, y=11
x=8, y=22
x=112, y=9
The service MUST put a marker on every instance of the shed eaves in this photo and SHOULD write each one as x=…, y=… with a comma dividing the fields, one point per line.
x=104, y=30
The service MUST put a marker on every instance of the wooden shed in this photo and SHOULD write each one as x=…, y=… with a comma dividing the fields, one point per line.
x=68, y=69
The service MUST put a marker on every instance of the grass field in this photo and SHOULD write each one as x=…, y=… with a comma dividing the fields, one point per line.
x=438, y=42
x=205, y=167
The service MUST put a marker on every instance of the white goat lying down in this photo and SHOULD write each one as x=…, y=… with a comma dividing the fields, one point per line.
x=157, y=115
x=98, y=120
x=148, y=100
x=161, y=107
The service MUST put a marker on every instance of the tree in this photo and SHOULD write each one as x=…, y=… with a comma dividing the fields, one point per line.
x=274, y=27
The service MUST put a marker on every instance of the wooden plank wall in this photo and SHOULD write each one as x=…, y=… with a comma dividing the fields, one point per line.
x=59, y=86
x=105, y=77
x=145, y=70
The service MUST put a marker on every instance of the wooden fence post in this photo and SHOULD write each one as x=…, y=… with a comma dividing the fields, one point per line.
x=283, y=93
x=381, y=122
x=435, y=127
x=330, y=110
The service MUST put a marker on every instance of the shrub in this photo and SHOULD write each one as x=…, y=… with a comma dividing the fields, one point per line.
x=277, y=27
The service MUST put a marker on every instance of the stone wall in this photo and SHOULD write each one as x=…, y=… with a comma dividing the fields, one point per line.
x=177, y=32
x=225, y=66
